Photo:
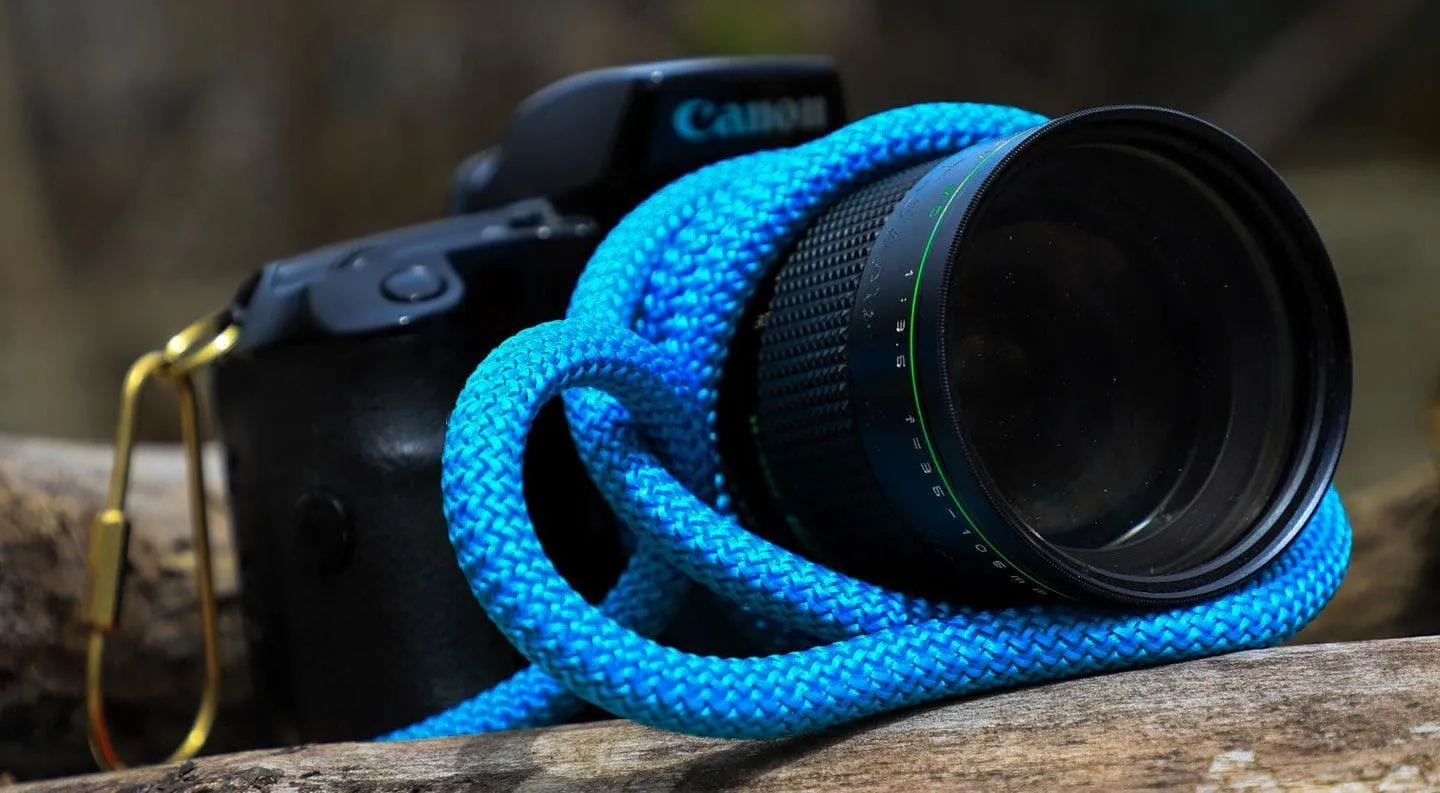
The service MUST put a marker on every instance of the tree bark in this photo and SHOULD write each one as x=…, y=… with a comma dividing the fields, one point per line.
x=1365, y=715
x=50, y=490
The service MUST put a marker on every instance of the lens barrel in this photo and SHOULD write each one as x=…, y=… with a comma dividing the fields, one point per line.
x=1105, y=359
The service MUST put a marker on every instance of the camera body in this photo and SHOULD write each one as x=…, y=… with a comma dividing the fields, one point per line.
x=332, y=407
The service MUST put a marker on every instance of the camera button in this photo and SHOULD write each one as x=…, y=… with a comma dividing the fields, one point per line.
x=413, y=284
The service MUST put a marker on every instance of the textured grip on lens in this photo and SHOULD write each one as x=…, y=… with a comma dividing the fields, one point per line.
x=805, y=423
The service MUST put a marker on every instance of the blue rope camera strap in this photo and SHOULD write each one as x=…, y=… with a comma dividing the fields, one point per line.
x=638, y=362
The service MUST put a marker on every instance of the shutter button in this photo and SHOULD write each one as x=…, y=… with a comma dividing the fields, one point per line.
x=413, y=284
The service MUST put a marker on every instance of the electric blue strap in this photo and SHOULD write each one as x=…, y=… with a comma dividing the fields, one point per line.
x=638, y=361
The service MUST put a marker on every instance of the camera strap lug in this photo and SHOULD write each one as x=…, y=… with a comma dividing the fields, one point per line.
x=187, y=352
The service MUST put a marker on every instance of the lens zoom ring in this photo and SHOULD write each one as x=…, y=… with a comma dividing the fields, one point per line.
x=806, y=427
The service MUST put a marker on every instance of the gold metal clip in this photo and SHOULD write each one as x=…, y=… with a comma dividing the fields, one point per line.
x=190, y=350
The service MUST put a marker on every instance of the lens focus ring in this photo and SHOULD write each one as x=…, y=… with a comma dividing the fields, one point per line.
x=805, y=426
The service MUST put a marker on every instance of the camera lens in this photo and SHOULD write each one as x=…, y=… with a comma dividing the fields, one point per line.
x=1104, y=359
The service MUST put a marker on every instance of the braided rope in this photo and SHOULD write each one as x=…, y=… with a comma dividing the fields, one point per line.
x=638, y=362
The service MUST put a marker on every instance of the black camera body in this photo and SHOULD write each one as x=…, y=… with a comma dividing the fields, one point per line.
x=333, y=405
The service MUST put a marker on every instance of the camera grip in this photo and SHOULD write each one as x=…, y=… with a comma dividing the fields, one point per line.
x=357, y=616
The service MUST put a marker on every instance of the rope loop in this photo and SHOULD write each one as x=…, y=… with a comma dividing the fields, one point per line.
x=638, y=363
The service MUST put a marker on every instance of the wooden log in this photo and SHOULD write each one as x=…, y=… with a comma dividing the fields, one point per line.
x=1362, y=715
x=49, y=491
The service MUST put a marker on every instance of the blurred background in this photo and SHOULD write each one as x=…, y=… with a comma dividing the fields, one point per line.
x=155, y=152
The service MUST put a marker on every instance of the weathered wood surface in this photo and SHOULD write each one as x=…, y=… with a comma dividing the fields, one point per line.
x=49, y=490
x=1317, y=717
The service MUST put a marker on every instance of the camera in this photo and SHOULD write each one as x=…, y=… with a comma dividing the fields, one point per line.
x=332, y=405
x=1103, y=360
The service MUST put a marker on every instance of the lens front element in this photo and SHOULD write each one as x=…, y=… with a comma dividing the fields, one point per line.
x=1120, y=358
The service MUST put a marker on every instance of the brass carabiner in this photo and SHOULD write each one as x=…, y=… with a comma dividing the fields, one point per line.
x=205, y=341
x=197, y=346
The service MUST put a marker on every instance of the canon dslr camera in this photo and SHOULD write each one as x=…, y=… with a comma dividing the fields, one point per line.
x=1102, y=360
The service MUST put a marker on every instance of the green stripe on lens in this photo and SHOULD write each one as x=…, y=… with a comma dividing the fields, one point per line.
x=915, y=384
